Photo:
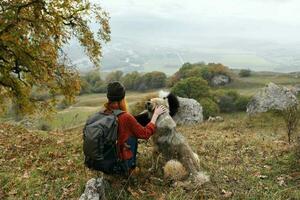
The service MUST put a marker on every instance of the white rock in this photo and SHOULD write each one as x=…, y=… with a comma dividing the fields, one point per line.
x=189, y=112
x=296, y=89
x=94, y=190
x=215, y=119
x=271, y=97
x=219, y=80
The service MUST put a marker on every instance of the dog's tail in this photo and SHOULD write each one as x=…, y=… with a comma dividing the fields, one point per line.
x=174, y=170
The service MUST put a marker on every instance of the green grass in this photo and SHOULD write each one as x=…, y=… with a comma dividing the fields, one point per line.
x=85, y=106
x=249, y=85
x=70, y=117
x=245, y=156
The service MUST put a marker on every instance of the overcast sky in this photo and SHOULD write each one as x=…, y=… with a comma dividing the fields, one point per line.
x=258, y=19
x=266, y=31
x=285, y=11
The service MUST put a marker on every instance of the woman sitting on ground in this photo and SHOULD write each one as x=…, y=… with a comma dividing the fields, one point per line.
x=129, y=130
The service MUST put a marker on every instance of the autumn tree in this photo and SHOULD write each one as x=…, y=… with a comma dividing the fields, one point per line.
x=131, y=80
x=32, y=36
x=114, y=76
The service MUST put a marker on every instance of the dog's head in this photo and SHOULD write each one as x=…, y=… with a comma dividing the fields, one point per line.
x=169, y=100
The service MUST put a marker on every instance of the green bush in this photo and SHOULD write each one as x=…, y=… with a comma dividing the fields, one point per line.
x=245, y=73
x=227, y=104
x=114, y=76
x=44, y=126
x=85, y=87
x=63, y=104
x=210, y=108
x=99, y=87
x=205, y=71
x=231, y=101
x=193, y=87
x=242, y=102
x=130, y=80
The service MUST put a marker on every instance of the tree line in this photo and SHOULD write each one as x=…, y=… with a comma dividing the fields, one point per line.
x=93, y=82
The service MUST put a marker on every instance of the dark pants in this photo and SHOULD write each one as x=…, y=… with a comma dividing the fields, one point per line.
x=124, y=167
x=132, y=142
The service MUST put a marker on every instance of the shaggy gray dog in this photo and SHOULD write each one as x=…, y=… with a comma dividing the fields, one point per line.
x=172, y=146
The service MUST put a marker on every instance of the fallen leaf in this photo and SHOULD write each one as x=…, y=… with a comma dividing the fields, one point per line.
x=12, y=192
x=259, y=175
x=267, y=167
x=226, y=194
x=1, y=194
x=133, y=193
x=25, y=175
x=142, y=191
x=262, y=176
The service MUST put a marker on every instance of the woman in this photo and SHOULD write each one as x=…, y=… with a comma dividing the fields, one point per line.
x=129, y=130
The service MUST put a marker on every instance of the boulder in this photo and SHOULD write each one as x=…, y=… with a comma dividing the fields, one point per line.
x=215, y=119
x=271, y=97
x=189, y=112
x=296, y=89
x=94, y=189
x=219, y=80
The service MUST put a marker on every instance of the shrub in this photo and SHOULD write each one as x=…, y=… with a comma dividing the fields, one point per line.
x=92, y=82
x=114, y=76
x=130, y=80
x=231, y=101
x=227, y=104
x=142, y=82
x=63, y=104
x=193, y=87
x=291, y=117
x=245, y=73
x=44, y=126
x=172, y=80
x=40, y=95
x=152, y=80
x=206, y=71
x=210, y=108
x=241, y=103
x=218, y=68
x=85, y=87
x=99, y=87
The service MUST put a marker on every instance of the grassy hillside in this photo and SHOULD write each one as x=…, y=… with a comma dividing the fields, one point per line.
x=88, y=104
x=249, y=85
x=246, y=159
x=77, y=114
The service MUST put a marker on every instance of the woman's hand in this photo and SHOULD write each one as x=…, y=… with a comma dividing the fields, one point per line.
x=157, y=112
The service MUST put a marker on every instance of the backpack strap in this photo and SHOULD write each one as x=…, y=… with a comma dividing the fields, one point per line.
x=117, y=112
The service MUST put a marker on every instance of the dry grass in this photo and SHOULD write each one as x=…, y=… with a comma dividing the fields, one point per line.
x=246, y=159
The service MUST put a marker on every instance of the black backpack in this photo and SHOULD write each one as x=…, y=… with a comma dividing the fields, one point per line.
x=100, y=136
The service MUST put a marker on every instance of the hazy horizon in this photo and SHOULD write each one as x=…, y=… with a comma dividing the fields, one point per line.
x=162, y=34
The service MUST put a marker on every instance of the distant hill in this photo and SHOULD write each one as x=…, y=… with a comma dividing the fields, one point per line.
x=135, y=55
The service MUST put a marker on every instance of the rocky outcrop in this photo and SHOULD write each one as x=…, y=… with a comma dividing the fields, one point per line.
x=94, y=189
x=271, y=97
x=296, y=89
x=189, y=112
x=219, y=80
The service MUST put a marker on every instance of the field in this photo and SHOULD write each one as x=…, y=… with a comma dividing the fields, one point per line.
x=246, y=158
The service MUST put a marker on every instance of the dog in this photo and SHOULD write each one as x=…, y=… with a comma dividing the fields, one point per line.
x=169, y=143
